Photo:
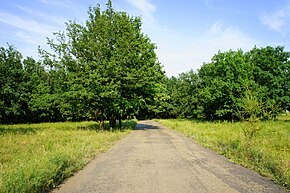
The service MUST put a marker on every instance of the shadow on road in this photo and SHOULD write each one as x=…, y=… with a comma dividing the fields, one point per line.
x=145, y=127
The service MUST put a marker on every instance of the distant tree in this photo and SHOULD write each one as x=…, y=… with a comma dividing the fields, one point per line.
x=223, y=82
x=38, y=91
x=184, y=95
x=228, y=78
x=272, y=72
x=11, y=79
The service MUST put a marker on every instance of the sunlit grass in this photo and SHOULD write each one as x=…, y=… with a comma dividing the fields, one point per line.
x=268, y=152
x=37, y=157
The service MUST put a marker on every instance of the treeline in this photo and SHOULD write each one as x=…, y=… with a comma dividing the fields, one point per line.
x=235, y=85
x=107, y=69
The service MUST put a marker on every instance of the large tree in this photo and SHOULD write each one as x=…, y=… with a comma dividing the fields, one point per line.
x=109, y=67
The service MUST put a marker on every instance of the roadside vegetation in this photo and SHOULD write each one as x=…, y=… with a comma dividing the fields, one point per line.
x=106, y=70
x=266, y=151
x=103, y=69
x=38, y=157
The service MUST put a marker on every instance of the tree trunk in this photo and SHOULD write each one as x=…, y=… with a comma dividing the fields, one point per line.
x=112, y=122
x=102, y=122
x=120, y=122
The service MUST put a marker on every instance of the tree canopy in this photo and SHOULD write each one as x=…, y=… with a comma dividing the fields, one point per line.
x=220, y=88
x=107, y=69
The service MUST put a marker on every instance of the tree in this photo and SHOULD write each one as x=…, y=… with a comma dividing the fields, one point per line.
x=110, y=62
x=184, y=95
x=226, y=80
x=271, y=71
x=11, y=79
x=38, y=91
x=223, y=82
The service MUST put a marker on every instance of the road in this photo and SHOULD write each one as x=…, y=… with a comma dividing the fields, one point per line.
x=153, y=159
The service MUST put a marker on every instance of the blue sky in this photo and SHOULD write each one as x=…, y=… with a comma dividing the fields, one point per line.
x=187, y=33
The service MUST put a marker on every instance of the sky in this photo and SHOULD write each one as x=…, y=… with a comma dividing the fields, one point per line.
x=187, y=33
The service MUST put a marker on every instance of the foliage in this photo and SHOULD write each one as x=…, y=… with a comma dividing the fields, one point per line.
x=106, y=69
x=222, y=81
x=38, y=157
x=271, y=71
x=110, y=63
x=219, y=89
x=11, y=81
x=183, y=95
x=269, y=152
x=251, y=112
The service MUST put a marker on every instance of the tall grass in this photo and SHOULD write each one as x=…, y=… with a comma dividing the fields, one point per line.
x=37, y=157
x=267, y=152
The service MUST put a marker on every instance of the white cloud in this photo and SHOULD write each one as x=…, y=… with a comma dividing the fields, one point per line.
x=145, y=6
x=54, y=2
x=27, y=24
x=211, y=5
x=226, y=38
x=216, y=28
x=25, y=33
x=278, y=20
x=56, y=20
x=180, y=53
x=274, y=21
x=24, y=37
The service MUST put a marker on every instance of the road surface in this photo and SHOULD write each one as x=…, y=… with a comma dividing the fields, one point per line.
x=153, y=159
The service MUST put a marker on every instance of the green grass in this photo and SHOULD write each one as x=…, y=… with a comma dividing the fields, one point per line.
x=38, y=157
x=267, y=152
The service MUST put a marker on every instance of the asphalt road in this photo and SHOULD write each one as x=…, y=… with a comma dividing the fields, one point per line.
x=153, y=159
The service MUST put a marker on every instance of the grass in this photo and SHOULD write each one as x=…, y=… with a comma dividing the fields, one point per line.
x=267, y=152
x=38, y=157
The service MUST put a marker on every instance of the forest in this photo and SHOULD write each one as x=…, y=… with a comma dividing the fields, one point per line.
x=107, y=69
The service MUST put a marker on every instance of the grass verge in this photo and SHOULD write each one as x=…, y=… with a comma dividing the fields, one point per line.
x=38, y=157
x=267, y=152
